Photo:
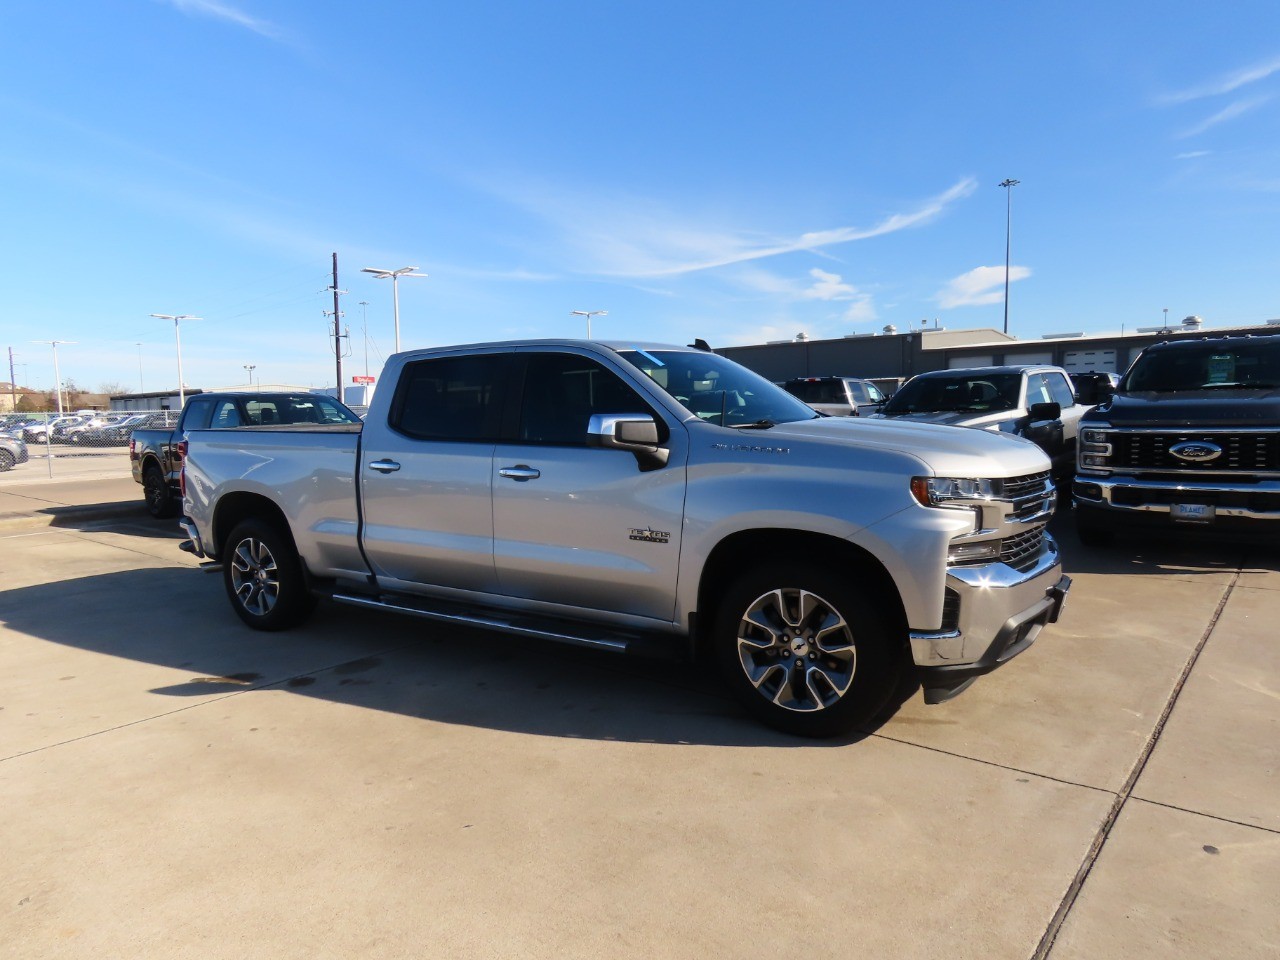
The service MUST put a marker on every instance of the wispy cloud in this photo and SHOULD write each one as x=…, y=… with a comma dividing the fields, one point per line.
x=1226, y=84
x=979, y=287
x=1193, y=154
x=634, y=239
x=1222, y=116
x=225, y=12
x=821, y=285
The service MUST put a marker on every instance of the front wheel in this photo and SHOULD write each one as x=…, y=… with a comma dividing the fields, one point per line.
x=805, y=651
x=263, y=577
x=6, y=461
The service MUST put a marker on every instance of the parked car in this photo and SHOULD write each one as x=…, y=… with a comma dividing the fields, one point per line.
x=837, y=396
x=645, y=498
x=1033, y=402
x=1189, y=442
x=156, y=450
x=13, y=451
x=114, y=432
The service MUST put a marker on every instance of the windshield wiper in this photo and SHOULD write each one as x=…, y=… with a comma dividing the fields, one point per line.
x=758, y=425
x=1257, y=385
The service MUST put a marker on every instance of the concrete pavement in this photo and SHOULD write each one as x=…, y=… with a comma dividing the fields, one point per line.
x=177, y=785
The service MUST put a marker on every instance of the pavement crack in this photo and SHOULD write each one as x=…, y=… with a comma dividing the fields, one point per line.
x=1104, y=830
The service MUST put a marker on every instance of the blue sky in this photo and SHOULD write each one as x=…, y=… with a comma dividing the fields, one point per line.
x=736, y=172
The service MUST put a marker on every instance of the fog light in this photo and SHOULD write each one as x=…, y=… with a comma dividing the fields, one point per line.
x=969, y=552
x=1088, y=491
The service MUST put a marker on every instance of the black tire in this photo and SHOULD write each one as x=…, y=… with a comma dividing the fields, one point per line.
x=263, y=577
x=6, y=461
x=786, y=622
x=161, y=503
x=1091, y=532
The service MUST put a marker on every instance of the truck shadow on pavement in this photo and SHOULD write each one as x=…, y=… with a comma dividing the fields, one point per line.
x=179, y=621
x=1174, y=553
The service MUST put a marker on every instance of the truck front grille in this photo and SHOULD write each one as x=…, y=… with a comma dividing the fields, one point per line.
x=1029, y=495
x=1022, y=550
x=1241, y=452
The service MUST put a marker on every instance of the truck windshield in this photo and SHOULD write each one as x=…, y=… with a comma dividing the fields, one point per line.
x=718, y=390
x=1243, y=365
x=972, y=392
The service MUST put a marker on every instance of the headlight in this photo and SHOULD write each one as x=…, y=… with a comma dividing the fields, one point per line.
x=942, y=491
x=1094, y=436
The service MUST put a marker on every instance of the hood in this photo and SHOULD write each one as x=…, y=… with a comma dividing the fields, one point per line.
x=1197, y=408
x=954, y=418
x=948, y=452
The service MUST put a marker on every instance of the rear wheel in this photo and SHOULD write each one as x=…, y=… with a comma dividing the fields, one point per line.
x=804, y=651
x=263, y=577
x=161, y=503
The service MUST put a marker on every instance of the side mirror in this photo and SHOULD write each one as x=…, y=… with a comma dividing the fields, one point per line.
x=634, y=432
x=1044, y=411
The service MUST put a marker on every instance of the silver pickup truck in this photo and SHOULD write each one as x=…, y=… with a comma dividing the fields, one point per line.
x=646, y=498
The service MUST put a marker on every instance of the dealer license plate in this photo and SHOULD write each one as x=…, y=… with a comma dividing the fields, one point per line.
x=1193, y=512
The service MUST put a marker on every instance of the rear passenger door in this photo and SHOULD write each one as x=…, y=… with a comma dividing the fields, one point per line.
x=426, y=475
x=580, y=526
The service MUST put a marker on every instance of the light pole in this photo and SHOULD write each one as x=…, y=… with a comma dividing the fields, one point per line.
x=395, y=276
x=249, y=368
x=588, y=314
x=364, y=332
x=141, y=388
x=1008, y=185
x=57, y=375
x=177, y=339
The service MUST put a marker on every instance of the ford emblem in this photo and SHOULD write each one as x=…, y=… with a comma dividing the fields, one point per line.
x=1196, y=451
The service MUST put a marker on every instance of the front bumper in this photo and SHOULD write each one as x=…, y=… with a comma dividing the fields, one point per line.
x=1001, y=612
x=1151, y=502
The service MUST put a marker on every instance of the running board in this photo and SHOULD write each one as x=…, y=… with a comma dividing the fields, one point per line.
x=561, y=631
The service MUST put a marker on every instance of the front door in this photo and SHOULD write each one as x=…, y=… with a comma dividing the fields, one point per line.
x=582, y=526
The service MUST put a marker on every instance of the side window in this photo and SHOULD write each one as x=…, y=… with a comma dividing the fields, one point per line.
x=196, y=416
x=1060, y=389
x=1037, y=390
x=262, y=413
x=452, y=398
x=874, y=393
x=562, y=391
x=857, y=393
x=226, y=415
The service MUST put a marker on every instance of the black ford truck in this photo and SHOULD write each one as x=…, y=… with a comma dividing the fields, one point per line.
x=1190, y=440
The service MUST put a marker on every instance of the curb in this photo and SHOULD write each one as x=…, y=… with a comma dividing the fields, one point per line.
x=70, y=516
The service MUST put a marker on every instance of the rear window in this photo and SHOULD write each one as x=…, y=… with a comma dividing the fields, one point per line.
x=817, y=391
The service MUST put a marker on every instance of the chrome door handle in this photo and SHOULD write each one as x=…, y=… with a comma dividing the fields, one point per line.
x=520, y=472
x=384, y=466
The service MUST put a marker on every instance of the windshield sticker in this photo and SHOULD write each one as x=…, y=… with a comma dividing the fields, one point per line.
x=1222, y=368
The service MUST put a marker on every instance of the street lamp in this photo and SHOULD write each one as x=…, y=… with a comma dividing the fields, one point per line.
x=249, y=368
x=177, y=338
x=395, y=276
x=588, y=314
x=1008, y=185
x=57, y=375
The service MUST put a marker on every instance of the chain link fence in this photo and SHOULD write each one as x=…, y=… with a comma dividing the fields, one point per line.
x=37, y=445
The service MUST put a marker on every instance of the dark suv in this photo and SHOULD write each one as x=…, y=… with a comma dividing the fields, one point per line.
x=837, y=396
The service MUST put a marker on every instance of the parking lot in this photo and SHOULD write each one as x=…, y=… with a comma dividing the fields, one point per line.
x=177, y=785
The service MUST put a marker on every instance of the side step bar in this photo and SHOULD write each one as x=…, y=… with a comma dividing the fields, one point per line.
x=561, y=631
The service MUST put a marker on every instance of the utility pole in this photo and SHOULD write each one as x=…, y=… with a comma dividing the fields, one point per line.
x=337, y=326
x=13, y=384
x=364, y=332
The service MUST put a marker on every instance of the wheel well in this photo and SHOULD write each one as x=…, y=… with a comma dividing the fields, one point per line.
x=726, y=562
x=235, y=507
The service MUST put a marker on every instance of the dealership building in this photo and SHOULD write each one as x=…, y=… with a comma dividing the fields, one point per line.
x=892, y=356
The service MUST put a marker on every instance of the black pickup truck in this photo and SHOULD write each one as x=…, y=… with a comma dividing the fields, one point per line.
x=156, y=455
x=1190, y=441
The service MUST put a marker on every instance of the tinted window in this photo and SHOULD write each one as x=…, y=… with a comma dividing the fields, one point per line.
x=818, y=391
x=1207, y=365
x=1060, y=389
x=195, y=417
x=975, y=392
x=563, y=391
x=452, y=398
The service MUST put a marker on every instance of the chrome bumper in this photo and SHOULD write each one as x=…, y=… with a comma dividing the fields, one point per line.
x=1001, y=612
x=1105, y=487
